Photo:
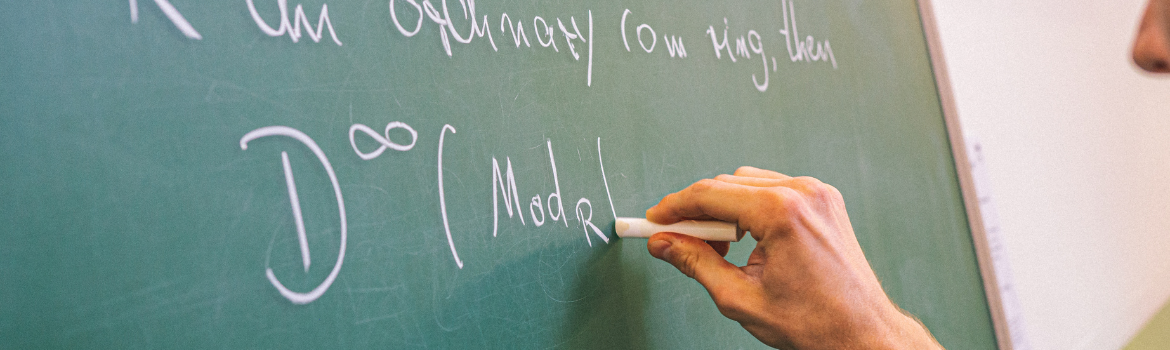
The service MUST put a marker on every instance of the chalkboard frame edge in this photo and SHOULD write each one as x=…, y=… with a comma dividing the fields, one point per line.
x=963, y=170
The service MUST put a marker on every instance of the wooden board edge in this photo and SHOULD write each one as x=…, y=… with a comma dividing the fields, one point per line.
x=963, y=170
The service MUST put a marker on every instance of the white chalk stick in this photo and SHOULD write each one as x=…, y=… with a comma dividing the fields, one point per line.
x=705, y=230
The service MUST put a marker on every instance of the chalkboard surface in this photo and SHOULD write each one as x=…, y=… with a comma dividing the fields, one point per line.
x=444, y=174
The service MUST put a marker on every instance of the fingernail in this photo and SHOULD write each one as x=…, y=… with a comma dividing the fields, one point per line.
x=658, y=248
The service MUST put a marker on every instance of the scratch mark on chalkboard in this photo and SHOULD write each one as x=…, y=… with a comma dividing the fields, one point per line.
x=526, y=107
x=246, y=207
x=487, y=296
x=388, y=290
x=376, y=225
x=378, y=318
x=221, y=84
x=544, y=287
x=220, y=91
x=162, y=300
x=500, y=97
x=384, y=191
x=458, y=179
x=211, y=96
x=141, y=292
x=377, y=289
x=349, y=293
x=563, y=301
x=440, y=323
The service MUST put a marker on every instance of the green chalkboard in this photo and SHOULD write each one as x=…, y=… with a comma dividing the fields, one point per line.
x=201, y=174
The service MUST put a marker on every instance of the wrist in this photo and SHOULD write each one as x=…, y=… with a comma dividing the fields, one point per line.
x=889, y=328
x=905, y=332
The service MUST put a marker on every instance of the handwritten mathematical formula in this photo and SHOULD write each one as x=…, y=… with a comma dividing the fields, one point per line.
x=542, y=209
x=569, y=34
x=463, y=29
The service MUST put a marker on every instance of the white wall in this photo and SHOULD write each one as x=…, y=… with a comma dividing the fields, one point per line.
x=1077, y=145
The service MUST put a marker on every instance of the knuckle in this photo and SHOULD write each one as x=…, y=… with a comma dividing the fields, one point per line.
x=816, y=189
x=669, y=206
x=686, y=264
x=670, y=198
x=807, y=182
x=780, y=199
x=782, y=206
x=768, y=202
x=704, y=185
x=724, y=177
x=833, y=193
x=701, y=187
x=826, y=194
x=668, y=203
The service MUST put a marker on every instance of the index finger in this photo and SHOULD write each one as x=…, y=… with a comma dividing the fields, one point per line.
x=719, y=200
x=747, y=171
x=751, y=181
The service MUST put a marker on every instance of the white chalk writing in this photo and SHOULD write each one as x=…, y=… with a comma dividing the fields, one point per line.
x=555, y=33
x=803, y=49
x=296, y=297
x=293, y=29
x=564, y=37
x=172, y=13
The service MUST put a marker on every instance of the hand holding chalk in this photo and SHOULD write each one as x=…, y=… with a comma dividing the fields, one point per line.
x=704, y=230
x=806, y=285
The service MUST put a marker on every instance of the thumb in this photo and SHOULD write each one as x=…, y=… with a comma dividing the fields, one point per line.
x=696, y=259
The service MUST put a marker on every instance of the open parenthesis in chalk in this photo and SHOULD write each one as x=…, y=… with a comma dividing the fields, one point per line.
x=500, y=183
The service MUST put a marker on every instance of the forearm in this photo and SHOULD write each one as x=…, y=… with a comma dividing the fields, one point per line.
x=894, y=330
x=910, y=334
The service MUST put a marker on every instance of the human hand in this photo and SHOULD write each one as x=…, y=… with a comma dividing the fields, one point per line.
x=807, y=284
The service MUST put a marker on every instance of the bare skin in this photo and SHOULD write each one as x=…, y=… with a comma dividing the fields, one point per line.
x=807, y=284
x=1151, y=47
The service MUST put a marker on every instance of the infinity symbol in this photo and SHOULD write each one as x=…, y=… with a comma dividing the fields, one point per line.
x=382, y=139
